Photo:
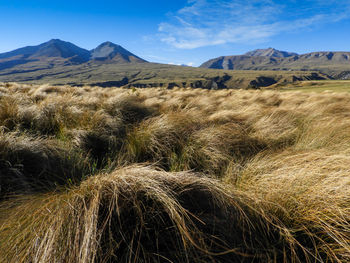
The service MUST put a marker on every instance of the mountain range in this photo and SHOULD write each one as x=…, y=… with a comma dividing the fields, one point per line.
x=334, y=64
x=57, y=52
x=59, y=62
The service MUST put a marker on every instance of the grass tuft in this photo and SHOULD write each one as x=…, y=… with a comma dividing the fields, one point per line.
x=144, y=215
x=184, y=175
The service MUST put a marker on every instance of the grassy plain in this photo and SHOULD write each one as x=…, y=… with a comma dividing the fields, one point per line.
x=95, y=174
x=148, y=75
x=317, y=86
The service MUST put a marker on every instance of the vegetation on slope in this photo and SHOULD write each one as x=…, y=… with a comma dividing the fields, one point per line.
x=316, y=86
x=95, y=174
x=147, y=75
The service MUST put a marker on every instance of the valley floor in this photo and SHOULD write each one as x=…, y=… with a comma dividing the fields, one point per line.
x=318, y=86
x=95, y=174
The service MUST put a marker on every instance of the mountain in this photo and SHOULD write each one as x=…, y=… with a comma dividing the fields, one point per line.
x=58, y=62
x=270, y=52
x=242, y=62
x=61, y=49
x=331, y=63
x=108, y=51
x=54, y=48
x=57, y=53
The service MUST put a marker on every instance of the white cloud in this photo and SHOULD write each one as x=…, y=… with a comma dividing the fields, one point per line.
x=212, y=22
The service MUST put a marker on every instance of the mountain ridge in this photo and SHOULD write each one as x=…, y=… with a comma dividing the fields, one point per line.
x=331, y=63
x=58, y=52
x=270, y=52
x=110, y=65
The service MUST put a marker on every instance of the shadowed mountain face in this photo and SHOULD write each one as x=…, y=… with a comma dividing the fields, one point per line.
x=54, y=48
x=331, y=63
x=57, y=53
x=62, y=49
x=109, y=51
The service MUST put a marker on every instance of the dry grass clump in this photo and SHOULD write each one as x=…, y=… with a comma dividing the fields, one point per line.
x=211, y=149
x=156, y=139
x=181, y=140
x=29, y=164
x=128, y=107
x=309, y=191
x=139, y=214
x=283, y=155
x=8, y=112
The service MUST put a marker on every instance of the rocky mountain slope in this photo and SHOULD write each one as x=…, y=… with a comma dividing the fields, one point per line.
x=331, y=63
x=270, y=52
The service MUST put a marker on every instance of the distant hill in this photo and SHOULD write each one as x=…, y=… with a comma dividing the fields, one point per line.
x=57, y=53
x=331, y=63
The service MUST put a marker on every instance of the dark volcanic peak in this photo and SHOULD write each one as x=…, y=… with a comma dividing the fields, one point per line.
x=270, y=52
x=111, y=51
x=62, y=49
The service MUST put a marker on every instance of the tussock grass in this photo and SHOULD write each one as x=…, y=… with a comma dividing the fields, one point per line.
x=143, y=215
x=30, y=165
x=309, y=191
x=209, y=176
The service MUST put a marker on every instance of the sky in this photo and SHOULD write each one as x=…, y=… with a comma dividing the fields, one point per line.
x=179, y=32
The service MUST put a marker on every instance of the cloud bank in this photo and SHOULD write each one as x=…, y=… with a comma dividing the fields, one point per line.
x=212, y=22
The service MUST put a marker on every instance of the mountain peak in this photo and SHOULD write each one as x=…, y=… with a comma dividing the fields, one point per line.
x=61, y=49
x=110, y=51
x=270, y=52
x=55, y=40
x=108, y=43
x=57, y=43
x=56, y=51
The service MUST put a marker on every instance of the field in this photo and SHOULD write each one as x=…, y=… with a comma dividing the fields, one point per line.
x=90, y=174
x=317, y=86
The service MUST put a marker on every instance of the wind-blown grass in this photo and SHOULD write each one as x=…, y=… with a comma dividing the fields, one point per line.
x=143, y=215
x=183, y=175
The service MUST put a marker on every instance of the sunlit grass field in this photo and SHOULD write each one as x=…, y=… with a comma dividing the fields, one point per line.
x=148, y=75
x=318, y=86
x=95, y=174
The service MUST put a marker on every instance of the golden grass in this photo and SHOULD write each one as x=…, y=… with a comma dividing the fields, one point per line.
x=183, y=175
x=317, y=86
x=139, y=214
x=308, y=191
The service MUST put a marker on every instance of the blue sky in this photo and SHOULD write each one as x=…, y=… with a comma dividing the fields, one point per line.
x=181, y=31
